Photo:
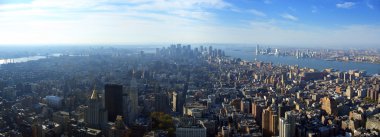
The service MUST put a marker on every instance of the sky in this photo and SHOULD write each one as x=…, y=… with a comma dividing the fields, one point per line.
x=354, y=23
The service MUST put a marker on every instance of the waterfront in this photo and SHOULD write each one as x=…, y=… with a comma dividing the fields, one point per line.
x=307, y=62
x=246, y=53
x=21, y=59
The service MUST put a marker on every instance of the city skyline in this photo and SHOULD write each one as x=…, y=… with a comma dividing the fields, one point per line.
x=269, y=22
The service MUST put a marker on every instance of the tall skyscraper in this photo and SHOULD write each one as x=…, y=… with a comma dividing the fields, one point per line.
x=287, y=125
x=329, y=105
x=210, y=50
x=161, y=102
x=113, y=100
x=174, y=101
x=257, y=49
x=349, y=92
x=130, y=102
x=257, y=110
x=177, y=101
x=284, y=128
x=96, y=114
x=269, y=122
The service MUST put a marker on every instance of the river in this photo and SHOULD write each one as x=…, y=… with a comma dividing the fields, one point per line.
x=305, y=62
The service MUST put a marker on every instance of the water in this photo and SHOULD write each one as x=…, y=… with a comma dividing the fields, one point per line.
x=306, y=62
x=20, y=60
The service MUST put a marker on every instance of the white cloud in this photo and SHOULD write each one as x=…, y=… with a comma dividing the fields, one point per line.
x=345, y=5
x=182, y=21
x=257, y=13
x=100, y=21
x=289, y=17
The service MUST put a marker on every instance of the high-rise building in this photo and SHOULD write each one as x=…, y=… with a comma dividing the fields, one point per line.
x=273, y=123
x=130, y=102
x=174, y=101
x=210, y=50
x=290, y=126
x=257, y=49
x=329, y=105
x=161, y=102
x=284, y=128
x=113, y=100
x=177, y=101
x=349, y=92
x=269, y=122
x=257, y=110
x=96, y=114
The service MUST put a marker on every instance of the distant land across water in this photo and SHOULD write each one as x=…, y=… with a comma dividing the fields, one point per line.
x=319, y=64
x=247, y=53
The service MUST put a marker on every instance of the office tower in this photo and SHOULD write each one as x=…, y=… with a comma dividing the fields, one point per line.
x=118, y=129
x=177, y=101
x=96, y=114
x=210, y=50
x=276, y=52
x=130, y=102
x=257, y=110
x=273, y=123
x=287, y=125
x=265, y=122
x=174, y=101
x=113, y=100
x=161, y=102
x=349, y=92
x=329, y=105
x=257, y=49
x=291, y=117
x=270, y=122
x=284, y=128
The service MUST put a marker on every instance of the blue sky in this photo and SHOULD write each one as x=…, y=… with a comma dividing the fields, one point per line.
x=268, y=22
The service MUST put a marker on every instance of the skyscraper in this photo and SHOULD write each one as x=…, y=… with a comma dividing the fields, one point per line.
x=291, y=117
x=257, y=49
x=269, y=122
x=96, y=114
x=257, y=110
x=284, y=128
x=161, y=102
x=130, y=102
x=349, y=92
x=329, y=105
x=177, y=101
x=287, y=125
x=210, y=50
x=113, y=100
